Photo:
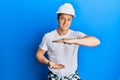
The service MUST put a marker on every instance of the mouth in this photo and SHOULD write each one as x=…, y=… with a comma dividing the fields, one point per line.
x=65, y=26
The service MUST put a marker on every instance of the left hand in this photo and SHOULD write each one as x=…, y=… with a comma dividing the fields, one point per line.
x=56, y=66
x=65, y=41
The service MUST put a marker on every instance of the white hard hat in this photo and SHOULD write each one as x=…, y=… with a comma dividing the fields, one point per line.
x=66, y=8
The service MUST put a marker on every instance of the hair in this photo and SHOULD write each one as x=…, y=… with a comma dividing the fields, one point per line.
x=60, y=14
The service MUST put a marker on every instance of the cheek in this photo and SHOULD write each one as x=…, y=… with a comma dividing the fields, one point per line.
x=61, y=22
x=69, y=23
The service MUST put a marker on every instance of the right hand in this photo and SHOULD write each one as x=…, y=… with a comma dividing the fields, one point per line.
x=56, y=66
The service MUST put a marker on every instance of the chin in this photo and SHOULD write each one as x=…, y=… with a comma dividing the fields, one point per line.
x=65, y=29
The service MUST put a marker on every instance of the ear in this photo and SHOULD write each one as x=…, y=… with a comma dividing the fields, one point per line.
x=58, y=16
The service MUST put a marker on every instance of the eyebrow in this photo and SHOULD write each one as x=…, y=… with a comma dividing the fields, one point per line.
x=64, y=17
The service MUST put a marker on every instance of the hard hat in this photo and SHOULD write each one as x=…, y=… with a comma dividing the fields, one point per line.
x=66, y=8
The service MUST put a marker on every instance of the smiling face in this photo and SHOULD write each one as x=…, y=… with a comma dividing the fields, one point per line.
x=64, y=21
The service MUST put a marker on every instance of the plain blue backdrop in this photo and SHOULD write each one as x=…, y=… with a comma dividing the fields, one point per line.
x=24, y=22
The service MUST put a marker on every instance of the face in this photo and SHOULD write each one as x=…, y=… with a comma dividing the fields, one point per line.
x=64, y=21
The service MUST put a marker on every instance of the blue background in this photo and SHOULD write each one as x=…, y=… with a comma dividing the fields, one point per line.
x=24, y=22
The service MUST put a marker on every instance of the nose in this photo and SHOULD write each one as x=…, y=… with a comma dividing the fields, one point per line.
x=65, y=22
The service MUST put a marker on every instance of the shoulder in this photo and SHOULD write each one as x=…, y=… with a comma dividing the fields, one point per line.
x=77, y=33
x=50, y=34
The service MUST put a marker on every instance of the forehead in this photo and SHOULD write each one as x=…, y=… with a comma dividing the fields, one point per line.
x=66, y=15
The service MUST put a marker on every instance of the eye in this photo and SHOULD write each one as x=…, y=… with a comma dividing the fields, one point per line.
x=69, y=19
x=62, y=18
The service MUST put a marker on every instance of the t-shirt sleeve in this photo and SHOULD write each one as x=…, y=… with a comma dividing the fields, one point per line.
x=43, y=44
x=80, y=34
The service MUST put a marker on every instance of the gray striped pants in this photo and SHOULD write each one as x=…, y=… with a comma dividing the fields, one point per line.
x=52, y=76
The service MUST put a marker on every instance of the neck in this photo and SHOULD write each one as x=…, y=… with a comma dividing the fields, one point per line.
x=62, y=32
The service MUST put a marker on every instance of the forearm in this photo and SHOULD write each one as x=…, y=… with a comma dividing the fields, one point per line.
x=40, y=56
x=87, y=41
x=43, y=59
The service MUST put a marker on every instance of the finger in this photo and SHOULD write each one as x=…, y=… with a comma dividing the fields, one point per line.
x=51, y=66
x=59, y=66
x=54, y=41
x=57, y=41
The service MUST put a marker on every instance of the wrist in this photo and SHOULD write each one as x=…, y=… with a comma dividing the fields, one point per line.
x=48, y=63
x=75, y=41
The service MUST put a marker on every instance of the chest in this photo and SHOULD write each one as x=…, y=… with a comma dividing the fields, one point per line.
x=59, y=47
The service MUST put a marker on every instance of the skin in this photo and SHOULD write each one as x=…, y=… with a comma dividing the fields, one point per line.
x=64, y=22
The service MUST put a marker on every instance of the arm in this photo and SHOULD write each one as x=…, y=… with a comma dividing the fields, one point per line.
x=40, y=57
x=85, y=41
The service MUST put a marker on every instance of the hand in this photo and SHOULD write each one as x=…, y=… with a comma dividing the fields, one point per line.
x=65, y=41
x=56, y=66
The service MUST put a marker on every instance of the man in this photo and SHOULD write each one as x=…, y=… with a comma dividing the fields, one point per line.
x=62, y=46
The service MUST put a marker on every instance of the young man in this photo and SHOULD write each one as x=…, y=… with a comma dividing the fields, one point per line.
x=62, y=46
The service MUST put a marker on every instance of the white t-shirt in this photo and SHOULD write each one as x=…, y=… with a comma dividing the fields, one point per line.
x=61, y=53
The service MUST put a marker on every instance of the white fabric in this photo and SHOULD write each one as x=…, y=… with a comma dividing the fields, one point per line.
x=61, y=53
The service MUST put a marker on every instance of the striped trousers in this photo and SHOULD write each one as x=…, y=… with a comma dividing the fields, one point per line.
x=52, y=76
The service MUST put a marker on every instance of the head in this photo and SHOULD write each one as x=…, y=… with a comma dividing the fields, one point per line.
x=65, y=15
x=64, y=21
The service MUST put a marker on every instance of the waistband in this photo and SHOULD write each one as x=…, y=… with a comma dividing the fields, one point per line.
x=76, y=73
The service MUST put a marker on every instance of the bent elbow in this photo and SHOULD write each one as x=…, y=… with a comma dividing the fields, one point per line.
x=97, y=42
x=36, y=55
